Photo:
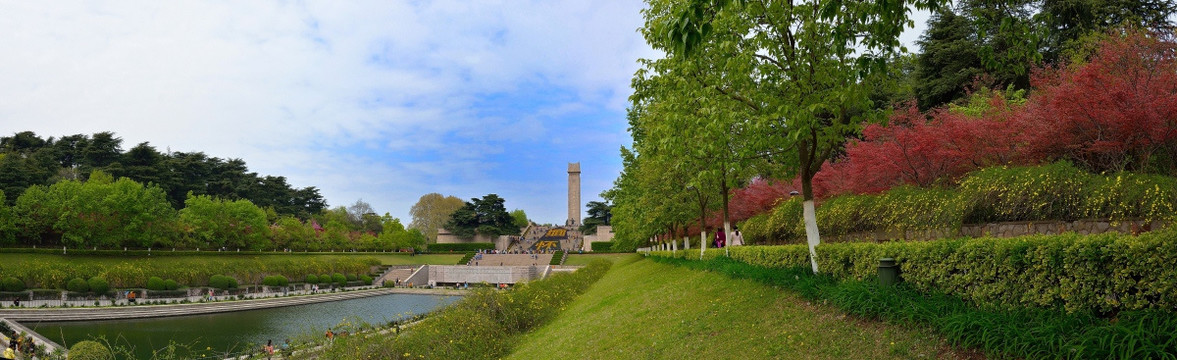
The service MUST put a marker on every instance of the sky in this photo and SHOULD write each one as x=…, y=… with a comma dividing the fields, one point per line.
x=381, y=101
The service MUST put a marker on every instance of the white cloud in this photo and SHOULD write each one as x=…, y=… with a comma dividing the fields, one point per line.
x=361, y=99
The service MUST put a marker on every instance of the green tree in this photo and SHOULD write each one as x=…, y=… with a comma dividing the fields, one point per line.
x=795, y=69
x=485, y=216
x=431, y=212
x=520, y=218
x=7, y=222
x=215, y=223
x=950, y=59
x=599, y=213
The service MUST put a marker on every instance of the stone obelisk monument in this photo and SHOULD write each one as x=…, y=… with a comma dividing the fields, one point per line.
x=574, y=194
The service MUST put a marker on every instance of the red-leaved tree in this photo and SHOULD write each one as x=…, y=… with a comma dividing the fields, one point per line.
x=1116, y=112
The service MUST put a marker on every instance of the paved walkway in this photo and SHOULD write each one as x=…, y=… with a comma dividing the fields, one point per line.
x=34, y=313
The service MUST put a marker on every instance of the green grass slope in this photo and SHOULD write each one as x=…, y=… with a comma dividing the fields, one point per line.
x=645, y=310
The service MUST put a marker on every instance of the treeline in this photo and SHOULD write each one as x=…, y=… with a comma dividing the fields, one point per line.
x=27, y=160
x=102, y=212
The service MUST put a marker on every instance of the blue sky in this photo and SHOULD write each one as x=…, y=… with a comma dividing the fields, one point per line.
x=381, y=101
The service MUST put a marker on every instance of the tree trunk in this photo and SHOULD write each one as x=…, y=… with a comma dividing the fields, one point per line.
x=727, y=226
x=812, y=236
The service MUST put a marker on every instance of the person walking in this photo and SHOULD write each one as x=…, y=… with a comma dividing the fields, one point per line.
x=269, y=349
x=720, y=238
x=737, y=237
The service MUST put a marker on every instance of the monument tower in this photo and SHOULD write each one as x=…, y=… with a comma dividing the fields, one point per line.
x=574, y=194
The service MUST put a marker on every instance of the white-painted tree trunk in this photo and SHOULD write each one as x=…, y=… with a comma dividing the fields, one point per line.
x=686, y=243
x=674, y=245
x=702, y=244
x=811, y=233
x=727, y=234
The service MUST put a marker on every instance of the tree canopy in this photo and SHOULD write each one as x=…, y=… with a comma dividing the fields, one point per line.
x=485, y=216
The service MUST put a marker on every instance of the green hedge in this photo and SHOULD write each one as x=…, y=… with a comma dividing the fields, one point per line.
x=1057, y=191
x=460, y=247
x=222, y=282
x=155, y=283
x=557, y=257
x=312, y=279
x=98, y=285
x=275, y=280
x=1102, y=273
x=77, y=285
x=466, y=259
x=12, y=284
x=51, y=271
x=602, y=246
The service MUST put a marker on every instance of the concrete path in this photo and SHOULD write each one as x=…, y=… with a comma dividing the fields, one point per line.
x=149, y=311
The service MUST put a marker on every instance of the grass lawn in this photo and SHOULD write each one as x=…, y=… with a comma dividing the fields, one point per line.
x=583, y=259
x=645, y=310
x=431, y=259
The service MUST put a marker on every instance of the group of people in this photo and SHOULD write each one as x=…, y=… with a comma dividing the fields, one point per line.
x=18, y=344
x=721, y=238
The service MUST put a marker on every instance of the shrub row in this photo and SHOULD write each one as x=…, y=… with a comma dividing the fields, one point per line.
x=1102, y=273
x=479, y=325
x=461, y=247
x=1057, y=191
x=466, y=258
x=602, y=246
x=41, y=271
x=1029, y=333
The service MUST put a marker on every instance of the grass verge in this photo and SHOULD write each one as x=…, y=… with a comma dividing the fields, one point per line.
x=1032, y=333
x=648, y=310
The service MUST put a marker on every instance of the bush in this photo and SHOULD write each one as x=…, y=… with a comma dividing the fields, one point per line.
x=352, y=277
x=367, y=280
x=1102, y=273
x=12, y=284
x=602, y=246
x=312, y=279
x=339, y=279
x=324, y=279
x=98, y=285
x=89, y=350
x=275, y=280
x=170, y=284
x=222, y=282
x=155, y=283
x=77, y=285
x=461, y=247
x=1056, y=191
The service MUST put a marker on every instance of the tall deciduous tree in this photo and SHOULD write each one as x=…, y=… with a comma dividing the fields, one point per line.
x=431, y=212
x=795, y=69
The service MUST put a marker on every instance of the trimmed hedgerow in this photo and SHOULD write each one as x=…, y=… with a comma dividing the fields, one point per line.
x=466, y=258
x=1056, y=191
x=461, y=247
x=1102, y=273
x=602, y=246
